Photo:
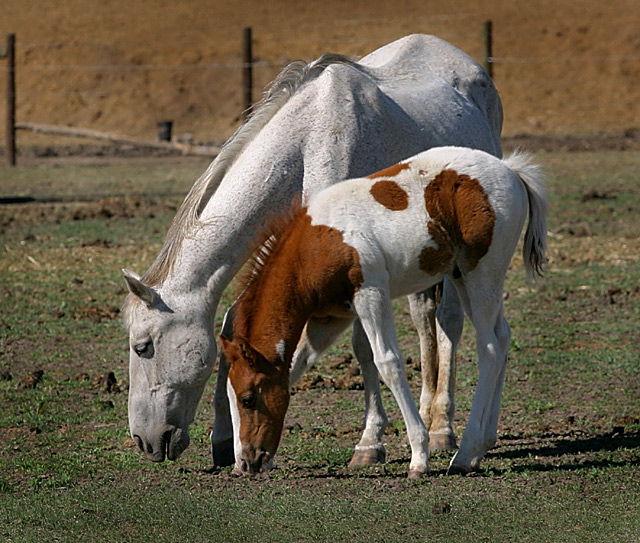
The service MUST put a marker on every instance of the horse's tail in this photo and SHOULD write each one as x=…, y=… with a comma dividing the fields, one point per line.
x=535, y=237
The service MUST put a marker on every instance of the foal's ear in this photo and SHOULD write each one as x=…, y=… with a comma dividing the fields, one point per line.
x=238, y=347
x=246, y=350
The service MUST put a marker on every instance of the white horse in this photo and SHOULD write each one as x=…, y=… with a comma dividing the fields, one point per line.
x=448, y=212
x=319, y=124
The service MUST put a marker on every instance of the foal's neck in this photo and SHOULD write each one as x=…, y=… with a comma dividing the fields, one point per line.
x=272, y=320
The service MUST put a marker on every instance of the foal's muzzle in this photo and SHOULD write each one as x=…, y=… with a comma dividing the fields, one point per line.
x=255, y=461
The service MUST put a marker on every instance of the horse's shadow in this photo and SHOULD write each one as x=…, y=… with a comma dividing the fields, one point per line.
x=569, y=448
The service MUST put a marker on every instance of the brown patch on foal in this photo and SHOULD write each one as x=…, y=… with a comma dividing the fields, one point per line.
x=390, y=195
x=391, y=171
x=462, y=220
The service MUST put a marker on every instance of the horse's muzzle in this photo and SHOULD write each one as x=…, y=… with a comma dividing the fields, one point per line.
x=168, y=444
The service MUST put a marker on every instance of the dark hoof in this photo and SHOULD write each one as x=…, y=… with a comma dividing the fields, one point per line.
x=455, y=469
x=442, y=442
x=222, y=453
x=417, y=473
x=368, y=457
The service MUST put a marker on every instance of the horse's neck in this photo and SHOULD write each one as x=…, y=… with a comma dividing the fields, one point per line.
x=254, y=187
x=262, y=181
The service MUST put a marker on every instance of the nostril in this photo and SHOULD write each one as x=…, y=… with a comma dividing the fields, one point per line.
x=260, y=462
x=139, y=442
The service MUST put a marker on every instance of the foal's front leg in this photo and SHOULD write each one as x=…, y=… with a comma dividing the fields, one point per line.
x=370, y=450
x=373, y=306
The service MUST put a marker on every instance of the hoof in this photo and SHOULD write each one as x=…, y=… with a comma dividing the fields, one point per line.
x=417, y=473
x=442, y=442
x=456, y=469
x=368, y=456
x=222, y=453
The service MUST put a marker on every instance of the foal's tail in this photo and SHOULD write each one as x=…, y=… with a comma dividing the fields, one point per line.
x=535, y=237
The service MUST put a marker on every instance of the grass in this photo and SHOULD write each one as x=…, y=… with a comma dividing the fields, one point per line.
x=565, y=468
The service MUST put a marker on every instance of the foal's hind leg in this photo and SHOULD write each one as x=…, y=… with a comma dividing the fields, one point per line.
x=370, y=449
x=483, y=303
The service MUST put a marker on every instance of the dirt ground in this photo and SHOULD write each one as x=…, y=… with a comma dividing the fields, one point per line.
x=562, y=67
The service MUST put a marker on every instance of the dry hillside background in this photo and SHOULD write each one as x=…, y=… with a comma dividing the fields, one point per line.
x=561, y=66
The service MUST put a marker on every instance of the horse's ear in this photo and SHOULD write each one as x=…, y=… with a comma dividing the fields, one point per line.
x=138, y=288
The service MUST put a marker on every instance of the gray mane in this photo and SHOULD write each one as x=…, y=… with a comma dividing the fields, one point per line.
x=288, y=81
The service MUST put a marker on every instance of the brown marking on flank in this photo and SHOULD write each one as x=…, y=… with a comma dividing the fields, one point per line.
x=463, y=220
x=390, y=195
x=437, y=260
x=391, y=171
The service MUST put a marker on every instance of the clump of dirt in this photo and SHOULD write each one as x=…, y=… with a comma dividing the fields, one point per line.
x=31, y=380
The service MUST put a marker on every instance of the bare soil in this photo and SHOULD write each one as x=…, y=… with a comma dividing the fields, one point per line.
x=562, y=67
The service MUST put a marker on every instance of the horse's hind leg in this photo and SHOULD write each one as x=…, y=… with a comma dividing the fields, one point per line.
x=370, y=449
x=439, y=333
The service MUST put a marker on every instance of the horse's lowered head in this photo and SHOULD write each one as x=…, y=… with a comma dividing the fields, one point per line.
x=259, y=398
x=172, y=351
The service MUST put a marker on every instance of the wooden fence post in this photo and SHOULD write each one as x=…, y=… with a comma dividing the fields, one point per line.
x=488, y=48
x=10, y=134
x=247, y=73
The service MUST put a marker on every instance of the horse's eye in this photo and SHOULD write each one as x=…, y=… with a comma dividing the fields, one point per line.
x=249, y=401
x=144, y=350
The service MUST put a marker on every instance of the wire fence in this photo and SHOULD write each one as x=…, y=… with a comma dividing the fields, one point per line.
x=535, y=87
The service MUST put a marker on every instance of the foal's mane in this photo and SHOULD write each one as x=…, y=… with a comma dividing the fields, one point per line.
x=186, y=221
x=264, y=246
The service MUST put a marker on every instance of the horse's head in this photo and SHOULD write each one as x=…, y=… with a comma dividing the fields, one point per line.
x=259, y=398
x=172, y=352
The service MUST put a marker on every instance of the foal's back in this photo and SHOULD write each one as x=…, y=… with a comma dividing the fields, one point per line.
x=434, y=214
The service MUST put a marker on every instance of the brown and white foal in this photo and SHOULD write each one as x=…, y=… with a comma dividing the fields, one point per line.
x=353, y=247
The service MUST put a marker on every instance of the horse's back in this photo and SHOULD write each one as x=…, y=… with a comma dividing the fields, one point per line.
x=416, y=93
x=430, y=70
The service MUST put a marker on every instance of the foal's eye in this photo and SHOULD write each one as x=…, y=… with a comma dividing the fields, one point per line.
x=144, y=350
x=249, y=401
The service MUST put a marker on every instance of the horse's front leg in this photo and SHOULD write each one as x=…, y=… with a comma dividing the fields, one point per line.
x=222, y=433
x=373, y=306
x=439, y=333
